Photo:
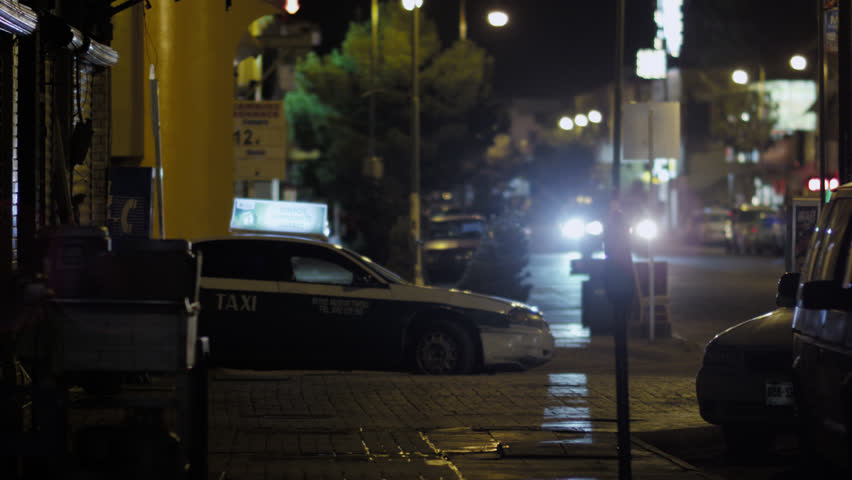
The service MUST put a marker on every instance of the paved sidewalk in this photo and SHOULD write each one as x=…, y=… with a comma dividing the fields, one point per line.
x=550, y=422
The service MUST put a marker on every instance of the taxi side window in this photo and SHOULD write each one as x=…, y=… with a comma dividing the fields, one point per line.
x=829, y=247
x=318, y=270
x=240, y=259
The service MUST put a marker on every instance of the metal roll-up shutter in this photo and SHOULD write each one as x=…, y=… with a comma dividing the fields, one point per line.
x=16, y=19
x=8, y=157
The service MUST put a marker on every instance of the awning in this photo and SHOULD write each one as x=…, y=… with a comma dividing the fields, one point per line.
x=16, y=19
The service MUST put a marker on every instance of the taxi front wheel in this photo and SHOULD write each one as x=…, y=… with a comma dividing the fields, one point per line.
x=443, y=348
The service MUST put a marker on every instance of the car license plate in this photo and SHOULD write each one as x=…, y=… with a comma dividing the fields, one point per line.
x=779, y=394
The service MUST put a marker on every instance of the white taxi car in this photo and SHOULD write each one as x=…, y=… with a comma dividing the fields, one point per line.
x=281, y=302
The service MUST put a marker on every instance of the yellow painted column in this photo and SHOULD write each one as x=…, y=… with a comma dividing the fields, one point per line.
x=192, y=45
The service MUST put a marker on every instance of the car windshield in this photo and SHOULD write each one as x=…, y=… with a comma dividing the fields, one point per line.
x=383, y=272
x=473, y=228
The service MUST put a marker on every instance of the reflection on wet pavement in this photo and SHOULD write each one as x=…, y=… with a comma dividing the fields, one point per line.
x=557, y=293
x=570, y=335
x=569, y=388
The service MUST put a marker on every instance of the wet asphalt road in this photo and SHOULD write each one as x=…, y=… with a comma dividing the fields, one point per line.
x=710, y=291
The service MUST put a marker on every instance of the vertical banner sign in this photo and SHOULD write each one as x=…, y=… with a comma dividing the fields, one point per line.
x=831, y=22
x=129, y=204
x=804, y=222
x=260, y=140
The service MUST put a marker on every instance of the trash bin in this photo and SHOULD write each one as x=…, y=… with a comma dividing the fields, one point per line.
x=597, y=312
x=597, y=309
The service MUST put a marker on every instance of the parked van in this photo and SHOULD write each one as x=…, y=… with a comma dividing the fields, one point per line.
x=822, y=336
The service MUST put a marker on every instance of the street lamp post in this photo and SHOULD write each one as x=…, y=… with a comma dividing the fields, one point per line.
x=414, y=7
x=462, y=20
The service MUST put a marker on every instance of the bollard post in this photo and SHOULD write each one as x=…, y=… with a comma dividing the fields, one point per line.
x=620, y=286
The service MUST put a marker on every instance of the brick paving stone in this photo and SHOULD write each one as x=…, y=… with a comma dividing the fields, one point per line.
x=440, y=424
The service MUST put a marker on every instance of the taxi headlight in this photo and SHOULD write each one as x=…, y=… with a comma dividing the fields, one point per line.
x=594, y=228
x=522, y=316
x=574, y=228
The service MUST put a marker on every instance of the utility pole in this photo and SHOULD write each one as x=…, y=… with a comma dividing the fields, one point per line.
x=820, y=67
x=619, y=90
x=374, y=47
x=462, y=21
x=844, y=90
x=622, y=302
x=415, y=145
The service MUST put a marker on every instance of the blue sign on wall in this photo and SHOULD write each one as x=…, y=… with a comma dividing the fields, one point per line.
x=130, y=202
x=831, y=22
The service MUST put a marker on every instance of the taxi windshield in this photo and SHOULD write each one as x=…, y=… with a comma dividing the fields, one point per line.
x=383, y=272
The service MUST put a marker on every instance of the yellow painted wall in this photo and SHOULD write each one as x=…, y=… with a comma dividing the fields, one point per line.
x=192, y=45
x=127, y=79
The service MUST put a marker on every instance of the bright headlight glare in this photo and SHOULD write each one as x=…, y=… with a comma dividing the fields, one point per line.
x=647, y=229
x=594, y=228
x=573, y=228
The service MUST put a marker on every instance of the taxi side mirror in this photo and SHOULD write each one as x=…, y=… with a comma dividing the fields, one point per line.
x=788, y=286
x=365, y=280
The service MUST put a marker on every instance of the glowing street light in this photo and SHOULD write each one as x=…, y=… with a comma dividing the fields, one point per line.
x=739, y=77
x=566, y=123
x=292, y=6
x=497, y=18
x=745, y=116
x=595, y=116
x=581, y=120
x=798, y=62
x=411, y=4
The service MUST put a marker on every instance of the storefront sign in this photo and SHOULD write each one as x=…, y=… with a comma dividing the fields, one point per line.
x=831, y=22
x=260, y=140
x=804, y=218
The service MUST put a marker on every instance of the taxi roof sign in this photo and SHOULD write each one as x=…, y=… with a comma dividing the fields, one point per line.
x=252, y=215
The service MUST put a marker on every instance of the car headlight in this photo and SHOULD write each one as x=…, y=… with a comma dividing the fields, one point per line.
x=647, y=229
x=714, y=354
x=574, y=228
x=527, y=318
x=594, y=228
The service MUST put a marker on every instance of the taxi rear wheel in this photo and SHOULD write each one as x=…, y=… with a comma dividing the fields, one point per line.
x=442, y=348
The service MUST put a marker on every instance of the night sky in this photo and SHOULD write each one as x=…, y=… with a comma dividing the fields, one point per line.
x=559, y=48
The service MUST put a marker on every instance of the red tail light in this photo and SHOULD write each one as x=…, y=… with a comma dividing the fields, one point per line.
x=753, y=229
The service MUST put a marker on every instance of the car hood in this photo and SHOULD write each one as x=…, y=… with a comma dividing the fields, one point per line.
x=456, y=298
x=447, y=244
x=768, y=330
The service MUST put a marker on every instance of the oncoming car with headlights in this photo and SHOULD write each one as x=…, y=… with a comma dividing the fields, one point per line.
x=280, y=302
x=581, y=227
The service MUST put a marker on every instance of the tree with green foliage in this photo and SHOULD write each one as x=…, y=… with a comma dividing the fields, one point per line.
x=499, y=265
x=741, y=116
x=328, y=111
